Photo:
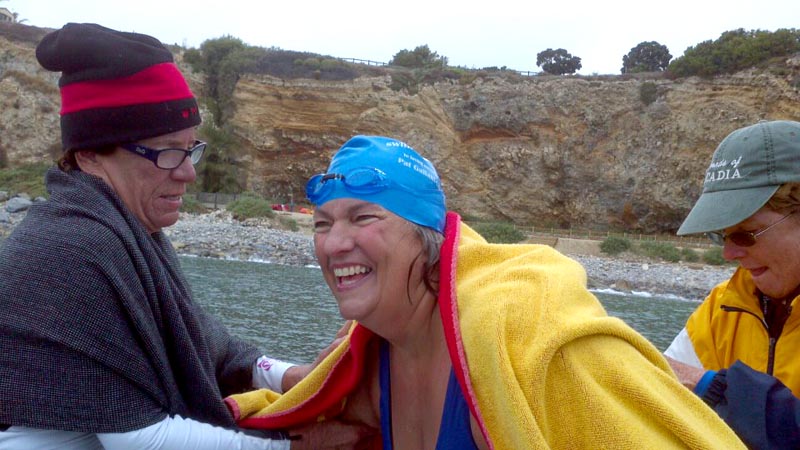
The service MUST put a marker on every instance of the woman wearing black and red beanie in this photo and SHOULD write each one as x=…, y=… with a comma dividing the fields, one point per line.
x=101, y=344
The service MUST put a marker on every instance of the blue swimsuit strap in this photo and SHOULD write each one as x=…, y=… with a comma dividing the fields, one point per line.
x=454, y=431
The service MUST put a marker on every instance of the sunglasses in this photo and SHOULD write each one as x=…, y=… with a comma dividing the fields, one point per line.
x=742, y=238
x=168, y=158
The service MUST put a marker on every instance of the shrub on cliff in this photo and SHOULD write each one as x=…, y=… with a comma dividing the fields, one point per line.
x=191, y=205
x=27, y=178
x=660, y=250
x=614, y=245
x=499, y=232
x=714, y=257
x=734, y=51
x=288, y=223
x=689, y=255
x=420, y=58
x=248, y=206
x=648, y=93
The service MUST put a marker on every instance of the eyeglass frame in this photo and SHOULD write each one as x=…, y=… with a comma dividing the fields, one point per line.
x=151, y=154
x=719, y=238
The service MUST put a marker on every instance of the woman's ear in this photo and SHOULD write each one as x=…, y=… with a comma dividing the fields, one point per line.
x=88, y=162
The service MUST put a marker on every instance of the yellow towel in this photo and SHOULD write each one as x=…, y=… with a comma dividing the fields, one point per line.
x=539, y=362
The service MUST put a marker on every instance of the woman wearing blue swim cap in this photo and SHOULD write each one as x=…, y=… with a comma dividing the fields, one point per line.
x=462, y=344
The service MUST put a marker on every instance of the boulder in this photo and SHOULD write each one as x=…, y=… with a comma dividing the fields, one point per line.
x=18, y=204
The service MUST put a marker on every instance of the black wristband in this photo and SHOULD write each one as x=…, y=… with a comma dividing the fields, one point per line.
x=716, y=389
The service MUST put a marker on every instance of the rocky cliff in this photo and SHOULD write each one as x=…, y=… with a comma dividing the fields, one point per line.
x=545, y=151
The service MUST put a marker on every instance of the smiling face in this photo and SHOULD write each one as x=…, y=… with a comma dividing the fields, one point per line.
x=772, y=260
x=153, y=195
x=365, y=253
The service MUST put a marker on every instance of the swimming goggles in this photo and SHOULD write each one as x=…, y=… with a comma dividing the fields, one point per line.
x=364, y=180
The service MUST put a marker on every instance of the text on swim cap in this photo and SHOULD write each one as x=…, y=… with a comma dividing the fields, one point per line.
x=417, y=165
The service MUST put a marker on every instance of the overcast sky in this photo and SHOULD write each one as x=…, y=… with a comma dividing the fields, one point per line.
x=470, y=34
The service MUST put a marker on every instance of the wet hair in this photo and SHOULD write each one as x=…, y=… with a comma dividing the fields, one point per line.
x=431, y=250
x=67, y=162
x=786, y=199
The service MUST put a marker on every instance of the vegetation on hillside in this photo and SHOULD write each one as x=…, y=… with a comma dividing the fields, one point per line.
x=27, y=178
x=658, y=250
x=420, y=58
x=498, y=232
x=250, y=206
x=18, y=32
x=648, y=92
x=220, y=167
x=734, y=51
x=222, y=61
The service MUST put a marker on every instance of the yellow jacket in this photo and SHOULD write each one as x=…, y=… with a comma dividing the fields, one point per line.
x=539, y=361
x=737, y=332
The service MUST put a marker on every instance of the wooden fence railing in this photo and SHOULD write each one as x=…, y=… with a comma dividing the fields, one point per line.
x=214, y=200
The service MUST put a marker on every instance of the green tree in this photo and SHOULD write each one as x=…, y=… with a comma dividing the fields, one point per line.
x=219, y=169
x=222, y=62
x=420, y=58
x=646, y=57
x=558, y=62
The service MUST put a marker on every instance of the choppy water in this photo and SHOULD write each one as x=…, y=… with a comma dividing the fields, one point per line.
x=290, y=313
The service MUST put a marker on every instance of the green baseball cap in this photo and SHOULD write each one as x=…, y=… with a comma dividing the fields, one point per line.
x=748, y=166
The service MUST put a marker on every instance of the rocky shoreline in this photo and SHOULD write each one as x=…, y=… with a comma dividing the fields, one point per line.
x=218, y=235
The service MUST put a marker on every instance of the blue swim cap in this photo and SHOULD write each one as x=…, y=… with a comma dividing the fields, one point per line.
x=387, y=172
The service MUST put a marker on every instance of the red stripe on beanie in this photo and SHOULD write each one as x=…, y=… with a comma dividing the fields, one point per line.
x=155, y=84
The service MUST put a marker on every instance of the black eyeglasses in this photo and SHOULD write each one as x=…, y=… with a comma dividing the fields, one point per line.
x=168, y=158
x=742, y=238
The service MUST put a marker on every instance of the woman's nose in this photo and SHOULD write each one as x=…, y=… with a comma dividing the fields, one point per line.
x=184, y=172
x=732, y=252
x=339, y=239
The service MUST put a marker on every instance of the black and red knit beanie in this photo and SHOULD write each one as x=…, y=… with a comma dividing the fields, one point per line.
x=116, y=87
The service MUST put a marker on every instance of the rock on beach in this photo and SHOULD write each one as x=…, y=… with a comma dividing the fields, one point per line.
x=219, y=235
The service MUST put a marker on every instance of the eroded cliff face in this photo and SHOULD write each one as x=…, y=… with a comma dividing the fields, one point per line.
x=545, y=151
x=555, y=151
x=29, y=104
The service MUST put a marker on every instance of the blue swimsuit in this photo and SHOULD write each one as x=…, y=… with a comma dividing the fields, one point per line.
x=454, y=430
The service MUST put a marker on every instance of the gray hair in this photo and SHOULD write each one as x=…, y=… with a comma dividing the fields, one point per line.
x=786, y=198
x=431, y=249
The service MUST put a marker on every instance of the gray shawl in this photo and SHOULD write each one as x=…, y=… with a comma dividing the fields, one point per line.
x=98, y=330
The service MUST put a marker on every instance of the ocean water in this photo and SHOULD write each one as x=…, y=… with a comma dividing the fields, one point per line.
x=290, y=313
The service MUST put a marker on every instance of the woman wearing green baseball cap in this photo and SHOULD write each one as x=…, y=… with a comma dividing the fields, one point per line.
x=739, y=348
